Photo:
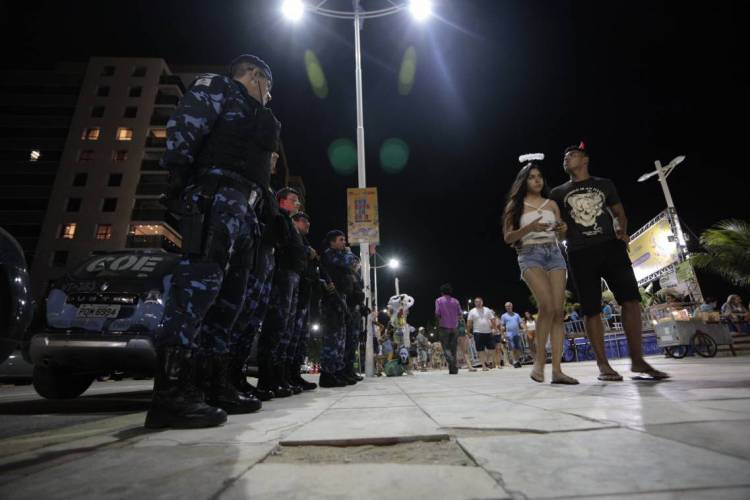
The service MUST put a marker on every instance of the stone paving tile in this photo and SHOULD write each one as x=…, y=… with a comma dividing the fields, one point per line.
x=729, y=437
x=609, y=461
x=379, y=425
x=697, y=494
x=388, y=401
x=364, y=482
x=738, y=405
x=642, y=413
x=165, y=472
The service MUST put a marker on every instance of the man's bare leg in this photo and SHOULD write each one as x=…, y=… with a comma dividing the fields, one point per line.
x=595, y=332
x=631, y=322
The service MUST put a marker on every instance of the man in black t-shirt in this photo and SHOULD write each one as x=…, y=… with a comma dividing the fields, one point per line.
x=597, y=242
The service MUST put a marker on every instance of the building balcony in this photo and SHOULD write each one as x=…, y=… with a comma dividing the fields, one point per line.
x=166, y=100
x=159, y=120
x=151, y=189
x=151, y=166
x=156, y=142
x=172, y=80
x=149, y=215
x=151, y=241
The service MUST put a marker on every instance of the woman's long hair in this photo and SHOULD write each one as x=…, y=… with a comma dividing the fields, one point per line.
x=514, y=202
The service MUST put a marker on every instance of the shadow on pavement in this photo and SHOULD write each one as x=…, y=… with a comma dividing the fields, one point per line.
x=100, y=403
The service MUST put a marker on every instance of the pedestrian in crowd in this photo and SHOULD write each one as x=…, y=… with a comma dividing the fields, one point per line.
x=735, y=314
x=448, y=311
x=597, y=242
x=529, y=325
x=423, y=346
x=217, y=175
x=480, y=324
x=497, y=339
x=607, y=313
x=512, y=327
x=533, y=225
x=464, y=345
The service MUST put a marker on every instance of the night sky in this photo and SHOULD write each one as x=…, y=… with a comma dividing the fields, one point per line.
x=638, y=81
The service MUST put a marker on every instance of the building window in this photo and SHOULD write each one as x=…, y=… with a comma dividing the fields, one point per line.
x=102, y=91
x=91, y=134
x=103, y=231
x=73, y=205
x=79, y=180
x=130, y=112
x=114, y=180
x=109, y=205
x=139, y=71
x=124, y=134
x=135, y=91
x=86, y=155
x=97, y=111
x=120, y=155
x=67, y=231
x=59, y=258
x=108, y=70
x=158, y=133
x=34, y=155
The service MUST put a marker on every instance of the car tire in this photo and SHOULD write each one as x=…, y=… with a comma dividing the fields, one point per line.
x=53, y=383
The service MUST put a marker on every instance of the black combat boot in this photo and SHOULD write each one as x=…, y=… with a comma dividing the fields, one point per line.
x=330, y=380
x=222, y=392
x=283, y=375
x=268, y=379
x=295, y=378
x=238, y=378
x=177, y=401
x=353, y=375
x=343, y=376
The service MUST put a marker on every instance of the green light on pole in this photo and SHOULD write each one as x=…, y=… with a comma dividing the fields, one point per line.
x=315, y=75
x=394, y=153
x=343, y=156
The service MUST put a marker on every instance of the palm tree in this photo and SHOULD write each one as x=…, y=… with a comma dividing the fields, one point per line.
x=727, y=251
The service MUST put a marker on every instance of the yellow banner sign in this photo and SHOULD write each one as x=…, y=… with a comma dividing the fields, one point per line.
x=653, y=249
x=363, y=223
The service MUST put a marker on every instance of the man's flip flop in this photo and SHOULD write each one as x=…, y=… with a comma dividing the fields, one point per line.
x=536, y=377
x=610, y=377
x=565, y=380
x=651, y=375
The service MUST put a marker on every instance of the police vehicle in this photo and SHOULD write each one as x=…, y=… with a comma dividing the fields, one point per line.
x=16, y=302
x=101, y=319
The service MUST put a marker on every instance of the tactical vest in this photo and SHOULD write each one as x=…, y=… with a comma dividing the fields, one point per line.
x=241, y=140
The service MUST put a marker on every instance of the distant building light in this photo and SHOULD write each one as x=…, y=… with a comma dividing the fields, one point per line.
x=35, y=155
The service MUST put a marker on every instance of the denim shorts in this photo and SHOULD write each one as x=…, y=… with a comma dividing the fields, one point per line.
x=547, y=256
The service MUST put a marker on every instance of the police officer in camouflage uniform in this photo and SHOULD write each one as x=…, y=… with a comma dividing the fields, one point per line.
x=309, y=283
x=219, y=145
x=337, y=264
x=278, y=326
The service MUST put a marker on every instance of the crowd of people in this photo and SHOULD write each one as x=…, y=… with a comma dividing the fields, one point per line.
x=248, y=269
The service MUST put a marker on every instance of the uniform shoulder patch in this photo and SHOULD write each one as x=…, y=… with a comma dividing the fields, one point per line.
x=206, y=80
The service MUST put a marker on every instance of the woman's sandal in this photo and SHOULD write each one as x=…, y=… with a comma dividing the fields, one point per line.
x=536, y=377
x=652, y=374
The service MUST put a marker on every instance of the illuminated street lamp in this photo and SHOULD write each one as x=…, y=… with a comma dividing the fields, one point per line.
x=294, y=10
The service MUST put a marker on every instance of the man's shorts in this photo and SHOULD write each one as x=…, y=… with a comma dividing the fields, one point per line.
x=607, y=260
x=546, y=256
x=484, y=341
x=514, y=341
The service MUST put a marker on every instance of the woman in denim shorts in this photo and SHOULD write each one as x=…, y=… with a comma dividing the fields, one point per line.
x=532, y=224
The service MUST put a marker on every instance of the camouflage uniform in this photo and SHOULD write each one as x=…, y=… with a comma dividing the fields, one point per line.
x=338, y=266
x=219, y=142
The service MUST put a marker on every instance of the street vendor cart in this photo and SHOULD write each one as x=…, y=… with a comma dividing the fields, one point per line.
x=680, y=330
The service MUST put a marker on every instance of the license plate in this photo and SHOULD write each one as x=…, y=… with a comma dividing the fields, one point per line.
x=98, y=311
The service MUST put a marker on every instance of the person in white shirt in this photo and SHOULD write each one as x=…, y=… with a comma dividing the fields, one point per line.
x=480, y=323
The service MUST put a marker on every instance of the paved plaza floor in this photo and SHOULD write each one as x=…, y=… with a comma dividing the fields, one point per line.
x=480, y=435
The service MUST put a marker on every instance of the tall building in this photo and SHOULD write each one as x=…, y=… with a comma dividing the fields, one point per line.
x=36, y=107
x=105, y=193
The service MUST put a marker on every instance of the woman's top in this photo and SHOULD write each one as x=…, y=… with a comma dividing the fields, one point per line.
x=538, y=237
x=530, y=325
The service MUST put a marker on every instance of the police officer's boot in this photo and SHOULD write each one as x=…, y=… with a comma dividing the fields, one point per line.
x=177, y=401
x=238, y=378
x=344, y=377
x=268, y=381
x=223, y=393
x=330, y=380
x=295, y=378
x=282, y=373
x=353, y=375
